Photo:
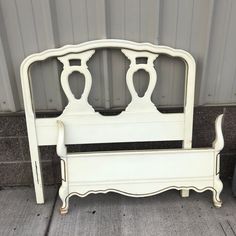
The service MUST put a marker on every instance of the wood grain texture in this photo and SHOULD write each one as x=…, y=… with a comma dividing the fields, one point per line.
x=20, y=215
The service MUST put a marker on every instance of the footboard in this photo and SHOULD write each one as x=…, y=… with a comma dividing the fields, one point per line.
x=140, y=174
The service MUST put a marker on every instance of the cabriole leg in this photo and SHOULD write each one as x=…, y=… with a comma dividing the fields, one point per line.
x=216, y=199
x=65, y=206
x=218, y=186
x=184, y=193
x=63, y=193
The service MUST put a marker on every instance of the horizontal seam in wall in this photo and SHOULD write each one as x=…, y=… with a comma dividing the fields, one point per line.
x=12, y=137
x=24, y=162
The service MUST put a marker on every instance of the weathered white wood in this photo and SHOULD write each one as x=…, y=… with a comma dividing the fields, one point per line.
x=32, y=136
x=20, y=216
x=144, y=173
x=218, y=143
x=125, y=127
x=157, y=162
x=184, y=193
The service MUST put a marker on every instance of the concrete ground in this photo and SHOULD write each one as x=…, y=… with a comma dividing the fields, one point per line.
x=116, y=215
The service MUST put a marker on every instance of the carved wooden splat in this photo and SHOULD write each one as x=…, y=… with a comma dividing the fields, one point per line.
x=136, y=173
x=141, y=103
x=137, y=103
x=76, y=105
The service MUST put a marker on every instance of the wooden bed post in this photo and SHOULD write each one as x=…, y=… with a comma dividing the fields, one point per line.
x=31, y=129
x=190, y=72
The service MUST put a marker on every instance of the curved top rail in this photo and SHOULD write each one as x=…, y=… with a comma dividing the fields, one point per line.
x=107, y=43
x=121, y=44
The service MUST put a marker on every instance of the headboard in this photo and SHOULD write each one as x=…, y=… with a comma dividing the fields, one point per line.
x=141, y=121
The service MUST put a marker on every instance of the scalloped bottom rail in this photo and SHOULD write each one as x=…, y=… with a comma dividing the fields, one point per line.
x=140, y=173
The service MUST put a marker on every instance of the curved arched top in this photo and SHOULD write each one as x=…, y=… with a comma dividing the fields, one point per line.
x=108, y=43
x=62, y=55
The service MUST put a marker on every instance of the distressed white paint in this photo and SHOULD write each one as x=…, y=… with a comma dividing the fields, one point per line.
x=181, y=169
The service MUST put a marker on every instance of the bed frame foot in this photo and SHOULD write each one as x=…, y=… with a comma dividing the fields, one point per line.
x=218, y=204
x=63, y=211
x=63, y=193
x=184, y=193
x=216, y=192
x=65, y=206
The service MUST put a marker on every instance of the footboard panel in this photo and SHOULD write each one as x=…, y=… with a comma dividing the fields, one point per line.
x=140, y=173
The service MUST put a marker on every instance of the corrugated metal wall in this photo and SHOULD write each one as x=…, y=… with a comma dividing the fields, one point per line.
x=205, y=28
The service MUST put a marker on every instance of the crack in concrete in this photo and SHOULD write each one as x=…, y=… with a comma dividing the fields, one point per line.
x=52, y=213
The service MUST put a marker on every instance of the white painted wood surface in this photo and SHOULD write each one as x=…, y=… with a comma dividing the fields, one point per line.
x=141, y=121
x=140, y=173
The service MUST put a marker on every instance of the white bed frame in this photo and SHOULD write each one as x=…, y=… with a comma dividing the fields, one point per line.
x=132, y=173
